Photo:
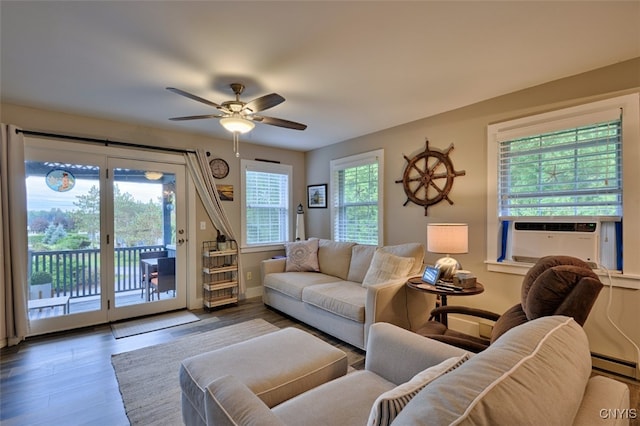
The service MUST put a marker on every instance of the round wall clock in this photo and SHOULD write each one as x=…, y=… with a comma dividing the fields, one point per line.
x=428, y=177
x=219, y=168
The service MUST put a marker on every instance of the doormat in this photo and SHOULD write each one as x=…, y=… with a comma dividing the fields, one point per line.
x=156, y=322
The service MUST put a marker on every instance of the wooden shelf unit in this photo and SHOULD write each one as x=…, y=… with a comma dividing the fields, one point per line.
x=219, y=274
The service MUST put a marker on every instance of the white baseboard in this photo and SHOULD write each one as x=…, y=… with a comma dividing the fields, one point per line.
x=253, y=292
x=464, y=326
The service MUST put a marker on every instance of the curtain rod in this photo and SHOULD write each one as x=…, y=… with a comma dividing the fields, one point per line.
x=105, y=142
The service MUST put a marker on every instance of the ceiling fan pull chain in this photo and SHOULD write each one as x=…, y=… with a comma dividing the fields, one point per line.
x=236, y=144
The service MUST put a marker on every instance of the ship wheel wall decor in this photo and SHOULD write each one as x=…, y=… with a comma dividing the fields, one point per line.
x=428, y=177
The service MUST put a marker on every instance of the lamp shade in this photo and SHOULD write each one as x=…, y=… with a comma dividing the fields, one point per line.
x=237, y=124
x=448, y=238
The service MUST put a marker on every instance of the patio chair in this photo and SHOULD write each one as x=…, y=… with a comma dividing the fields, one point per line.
x=166, y=278
x=149, y=255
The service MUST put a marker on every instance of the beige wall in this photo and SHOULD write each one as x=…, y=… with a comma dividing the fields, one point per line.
x=56, y=122
x=466, y=128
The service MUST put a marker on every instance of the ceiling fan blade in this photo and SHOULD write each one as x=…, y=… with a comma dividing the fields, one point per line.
x=196, y=117
x=194, y=97
x=264, y=102
x=280, y=122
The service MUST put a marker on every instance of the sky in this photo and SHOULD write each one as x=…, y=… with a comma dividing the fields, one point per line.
x=41, y=197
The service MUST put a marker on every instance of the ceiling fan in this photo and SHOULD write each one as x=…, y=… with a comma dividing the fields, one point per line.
x=237, y=109
x=237, y=116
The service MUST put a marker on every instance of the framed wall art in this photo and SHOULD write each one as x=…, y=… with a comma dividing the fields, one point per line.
x=225, y=192
x=317, y=196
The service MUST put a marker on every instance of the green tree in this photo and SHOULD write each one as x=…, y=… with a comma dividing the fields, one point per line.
x=136, y=223
x=38, y=224
x=53, y=234
x=87, y=215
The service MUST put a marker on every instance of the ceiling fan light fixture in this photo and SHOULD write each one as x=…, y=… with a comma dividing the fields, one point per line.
x=151, y=175
x=237, y=124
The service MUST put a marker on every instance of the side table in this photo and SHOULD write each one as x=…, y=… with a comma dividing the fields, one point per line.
x=416, y=283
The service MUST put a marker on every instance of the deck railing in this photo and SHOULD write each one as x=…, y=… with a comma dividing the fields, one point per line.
x=76, y=273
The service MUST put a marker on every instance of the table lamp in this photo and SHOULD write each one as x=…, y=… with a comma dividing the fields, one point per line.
x=448, y=238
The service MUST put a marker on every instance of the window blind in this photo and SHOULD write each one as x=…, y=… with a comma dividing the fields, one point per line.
x=568, y=172
x=267, y=212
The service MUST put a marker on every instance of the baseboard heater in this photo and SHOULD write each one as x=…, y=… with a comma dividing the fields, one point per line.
x=614, y=365
x=601, y=362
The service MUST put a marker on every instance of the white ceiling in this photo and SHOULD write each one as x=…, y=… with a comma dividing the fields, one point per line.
x=346, y=69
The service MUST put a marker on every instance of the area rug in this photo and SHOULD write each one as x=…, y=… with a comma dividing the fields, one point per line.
x=148, y=377
x=153, y=323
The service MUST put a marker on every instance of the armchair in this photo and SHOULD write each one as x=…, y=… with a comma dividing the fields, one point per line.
x=555, y=285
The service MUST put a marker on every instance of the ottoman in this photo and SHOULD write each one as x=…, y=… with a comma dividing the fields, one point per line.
x=276, y=367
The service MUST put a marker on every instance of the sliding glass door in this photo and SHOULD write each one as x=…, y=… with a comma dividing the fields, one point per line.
x=64, y=258
x=148, y=236
x=106, y=235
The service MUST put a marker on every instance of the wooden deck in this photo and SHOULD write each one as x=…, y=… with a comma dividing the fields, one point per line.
x=87, y=304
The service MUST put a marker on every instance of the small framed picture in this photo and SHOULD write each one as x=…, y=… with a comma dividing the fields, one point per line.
x=317, y=196
x=225, y=192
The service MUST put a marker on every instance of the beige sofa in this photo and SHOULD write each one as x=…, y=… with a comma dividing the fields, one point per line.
x=535, y=374
x=345, y=292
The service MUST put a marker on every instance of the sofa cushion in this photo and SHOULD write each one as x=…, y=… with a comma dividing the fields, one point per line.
x=334, y=257
x=302, y=256
x=292, y=283
x=361, y=256
x=536, y=371
x=387, y=267
x=414, y=250
x=229, y=402
x=344, y=401
x=388, y=405
x=343, y=298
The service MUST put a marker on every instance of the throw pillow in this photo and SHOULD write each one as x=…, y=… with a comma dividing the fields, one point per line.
x=386, y=266
x=388, y=405
x=334, y=257
x=302, y=256
x=361, y=256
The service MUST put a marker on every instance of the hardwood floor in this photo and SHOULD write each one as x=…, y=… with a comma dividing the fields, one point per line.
x=67, y=378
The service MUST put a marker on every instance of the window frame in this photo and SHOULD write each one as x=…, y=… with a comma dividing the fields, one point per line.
x=630, y=106
x=366, y=158
x=264, y=167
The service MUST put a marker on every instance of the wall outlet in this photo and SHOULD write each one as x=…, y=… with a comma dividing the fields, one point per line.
x=249, y=276
x=203, y=226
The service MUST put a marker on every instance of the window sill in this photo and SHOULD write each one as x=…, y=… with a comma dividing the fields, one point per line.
x=260, y=249
x=615, y=278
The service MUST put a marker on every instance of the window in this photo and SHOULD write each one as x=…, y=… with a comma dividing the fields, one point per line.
x=568, y=163
x=266, y=203
x=356, y=198
x=575, y=171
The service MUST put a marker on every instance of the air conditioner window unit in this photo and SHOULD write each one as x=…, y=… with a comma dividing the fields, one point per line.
x=528, y=240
